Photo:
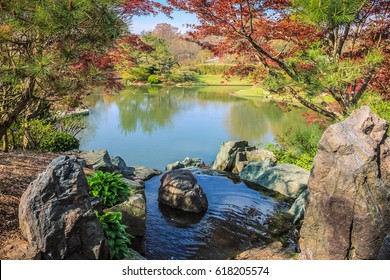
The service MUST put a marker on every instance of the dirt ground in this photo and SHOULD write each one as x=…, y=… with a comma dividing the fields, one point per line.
x=17, y=171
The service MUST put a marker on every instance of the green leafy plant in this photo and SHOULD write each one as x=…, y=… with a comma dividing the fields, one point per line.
x=109, y=186
x=115, y=232
x=59, y=142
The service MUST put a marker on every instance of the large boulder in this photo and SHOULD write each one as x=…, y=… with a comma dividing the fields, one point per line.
x=287, y=179
x=179, y=189
x=56, y=214
x=348, y=213
x=187, y=162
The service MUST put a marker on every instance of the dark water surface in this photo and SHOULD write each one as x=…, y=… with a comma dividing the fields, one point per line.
x=238, y=218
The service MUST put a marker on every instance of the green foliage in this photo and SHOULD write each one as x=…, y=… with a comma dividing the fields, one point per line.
x=72, y=125
x=59, y=142
x=328, y=13
x=213, y=69
x=115, y=232
x=297, y=147
x=377, y=105
x=109, y=186
x=154, y=79
x=183, y=77
x=46, y=47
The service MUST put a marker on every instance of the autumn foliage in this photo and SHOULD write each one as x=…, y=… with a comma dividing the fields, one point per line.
x=309, y=49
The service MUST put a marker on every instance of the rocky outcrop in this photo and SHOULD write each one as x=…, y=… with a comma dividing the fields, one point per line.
x=179, y=189
x=133, y=214
x=233, y=156
x=187, y=162
x=348, y=213
x=142, y=173
x=56, y=214
x=273, y=251
x=227, y=154
x=297, y=209
x=287, y=179
x=98, y=160
x=257, y=155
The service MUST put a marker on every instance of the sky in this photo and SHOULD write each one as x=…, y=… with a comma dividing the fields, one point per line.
x=148, y=23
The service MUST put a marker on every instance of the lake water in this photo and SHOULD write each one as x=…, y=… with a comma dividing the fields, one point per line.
x=155, y=126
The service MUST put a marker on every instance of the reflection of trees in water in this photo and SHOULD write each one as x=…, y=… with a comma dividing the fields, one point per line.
x=252, y=120
x=146, y=110
x=150, y=108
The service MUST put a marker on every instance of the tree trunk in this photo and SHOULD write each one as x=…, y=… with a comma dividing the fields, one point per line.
x=23, y=102
x=5, y=143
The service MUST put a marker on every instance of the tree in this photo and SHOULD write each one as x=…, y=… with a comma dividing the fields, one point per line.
x=179, y=45
x=52, y=48
x=309, y=49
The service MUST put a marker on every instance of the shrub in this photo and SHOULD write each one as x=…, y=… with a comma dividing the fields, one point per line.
x=153, y=79
x=72, y=125
x=213, y=69
x=109, y=186
x=59, y=142
x=115, y=232
x=182, y=77
x=297, y=147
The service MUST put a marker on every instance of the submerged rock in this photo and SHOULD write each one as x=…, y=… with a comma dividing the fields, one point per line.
x=187, y=162
x=179, y=189
x=287, y=179
x=348, y=213
x=56, y=214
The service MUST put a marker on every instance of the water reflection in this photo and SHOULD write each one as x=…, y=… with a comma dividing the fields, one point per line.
x=154, y=126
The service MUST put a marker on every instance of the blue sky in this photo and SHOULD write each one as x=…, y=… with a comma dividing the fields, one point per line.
x=140, y=24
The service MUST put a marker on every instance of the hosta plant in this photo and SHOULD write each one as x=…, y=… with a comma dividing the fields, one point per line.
x=109, y=186
x=118, y=239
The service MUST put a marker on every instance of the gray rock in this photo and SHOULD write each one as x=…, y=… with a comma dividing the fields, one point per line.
x=143, y=173
x=135, y=256
x=384, y=251
x=121, y=167
x=226, y=156
x=287, y=179
x=297, y=209
x=256, y=155
x=348, y=213
x=98, y=160
x=179, y=189
x=56, y=215
x=133, y=214
x=187, y=162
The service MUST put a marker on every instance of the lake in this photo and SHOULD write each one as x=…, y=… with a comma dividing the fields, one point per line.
x=154, y=126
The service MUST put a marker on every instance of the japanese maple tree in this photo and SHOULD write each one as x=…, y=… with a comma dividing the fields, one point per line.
x=325, y=53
